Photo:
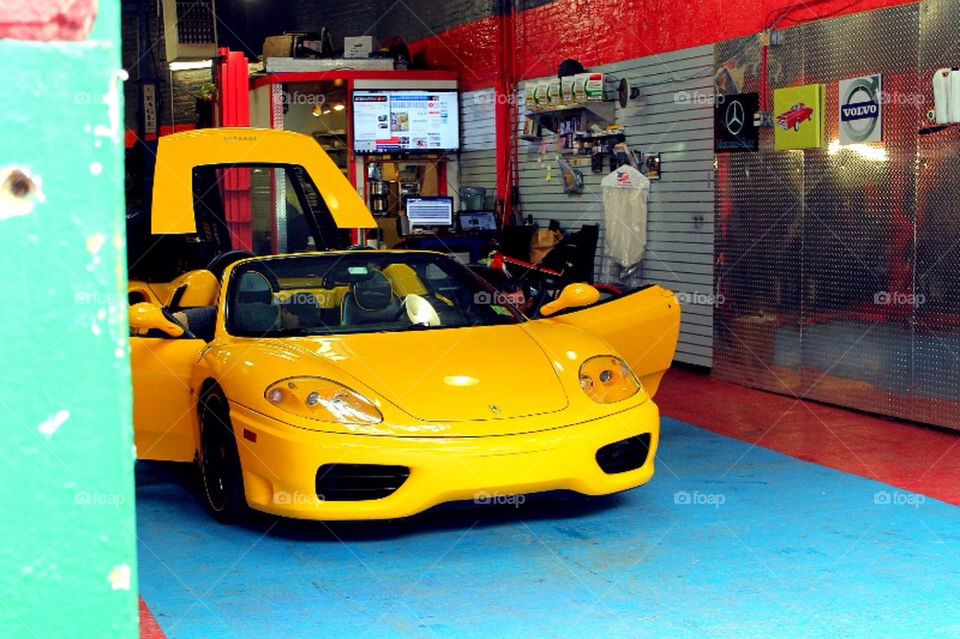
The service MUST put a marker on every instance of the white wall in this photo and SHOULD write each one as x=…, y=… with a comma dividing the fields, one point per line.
x=679, y=253
x=478, y=156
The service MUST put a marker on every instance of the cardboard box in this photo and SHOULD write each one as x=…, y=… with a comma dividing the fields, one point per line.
x=357, y=46
x=280, y=46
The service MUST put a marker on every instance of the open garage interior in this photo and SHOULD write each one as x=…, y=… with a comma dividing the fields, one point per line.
x=484, y=318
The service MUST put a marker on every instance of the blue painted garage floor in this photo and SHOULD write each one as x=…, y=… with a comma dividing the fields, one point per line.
x=727, y=540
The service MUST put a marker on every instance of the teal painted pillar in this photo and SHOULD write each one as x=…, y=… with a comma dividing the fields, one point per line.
x=67, y=526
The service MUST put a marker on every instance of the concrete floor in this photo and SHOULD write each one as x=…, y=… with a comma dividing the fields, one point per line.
x=729, y=539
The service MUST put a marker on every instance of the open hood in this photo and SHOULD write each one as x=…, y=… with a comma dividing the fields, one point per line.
x=178, y=154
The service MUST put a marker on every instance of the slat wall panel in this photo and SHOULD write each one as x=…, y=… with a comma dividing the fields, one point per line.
x=679, y=251
x=478, y=156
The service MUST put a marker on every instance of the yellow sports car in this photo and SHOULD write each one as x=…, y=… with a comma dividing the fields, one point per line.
x=365, y=384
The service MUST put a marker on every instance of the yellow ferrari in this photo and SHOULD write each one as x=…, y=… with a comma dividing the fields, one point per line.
x=365, y=384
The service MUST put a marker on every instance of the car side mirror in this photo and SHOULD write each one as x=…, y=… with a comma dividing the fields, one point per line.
x=146, y=316
x=572, y=296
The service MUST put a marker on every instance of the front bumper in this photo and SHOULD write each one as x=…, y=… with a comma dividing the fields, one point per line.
x=280, y=467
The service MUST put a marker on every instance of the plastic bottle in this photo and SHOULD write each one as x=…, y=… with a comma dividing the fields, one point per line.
x=941, y=95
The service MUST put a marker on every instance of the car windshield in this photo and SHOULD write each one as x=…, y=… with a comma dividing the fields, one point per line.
x=359, y=292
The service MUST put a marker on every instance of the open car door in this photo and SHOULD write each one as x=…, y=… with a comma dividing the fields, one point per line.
x=642, y=327
x=164, y=409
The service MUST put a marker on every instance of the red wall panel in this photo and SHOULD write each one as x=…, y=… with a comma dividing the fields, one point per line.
x=602, y=31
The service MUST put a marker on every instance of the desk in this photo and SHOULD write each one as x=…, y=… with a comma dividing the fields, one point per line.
x=476, y=245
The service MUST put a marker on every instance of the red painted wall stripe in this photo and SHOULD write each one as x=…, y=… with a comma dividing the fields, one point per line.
x=605, y=31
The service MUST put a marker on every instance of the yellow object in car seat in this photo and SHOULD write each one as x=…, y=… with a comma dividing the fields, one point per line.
x=404, y=280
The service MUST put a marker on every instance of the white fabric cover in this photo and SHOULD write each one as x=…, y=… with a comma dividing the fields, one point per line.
x=625, y=193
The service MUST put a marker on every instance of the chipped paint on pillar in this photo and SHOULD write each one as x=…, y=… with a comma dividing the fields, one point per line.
x=67, y=542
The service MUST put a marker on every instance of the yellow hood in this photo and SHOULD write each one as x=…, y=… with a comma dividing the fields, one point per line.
x=445, y=375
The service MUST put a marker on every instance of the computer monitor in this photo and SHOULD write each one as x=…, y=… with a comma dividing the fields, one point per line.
x=477, y=221
x=423, y=211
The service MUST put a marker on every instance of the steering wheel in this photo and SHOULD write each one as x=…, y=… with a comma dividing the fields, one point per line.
x=541, y=297
x=220, y=263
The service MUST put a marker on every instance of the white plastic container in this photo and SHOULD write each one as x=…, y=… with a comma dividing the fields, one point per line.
x=580, y=88
x=529, y=96
x=941, y=95
x=955, y=94
x=553, y=93
x=540, y=96
x=566, y=90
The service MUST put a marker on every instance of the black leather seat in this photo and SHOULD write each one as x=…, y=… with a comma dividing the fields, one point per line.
x=305, y=307
x=202, y=321
x=576, y=254
x=254, y=310
x=369, y=301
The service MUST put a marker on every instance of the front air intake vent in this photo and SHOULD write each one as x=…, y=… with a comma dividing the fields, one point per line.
x=624, y=455
x=359, y=482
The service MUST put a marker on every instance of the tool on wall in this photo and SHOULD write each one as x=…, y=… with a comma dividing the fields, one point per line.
x=572, y=178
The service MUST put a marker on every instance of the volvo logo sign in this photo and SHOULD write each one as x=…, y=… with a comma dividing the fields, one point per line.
x=861, y=110
x=735, y=117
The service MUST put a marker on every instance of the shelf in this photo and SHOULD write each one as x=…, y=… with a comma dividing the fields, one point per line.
x=604, y=111
x=600, y=136
x=328, y=134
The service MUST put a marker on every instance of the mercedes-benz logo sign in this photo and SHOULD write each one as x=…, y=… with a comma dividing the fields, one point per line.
x=734, y=117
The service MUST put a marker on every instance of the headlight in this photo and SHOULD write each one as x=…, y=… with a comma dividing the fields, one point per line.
x=322, y=399
x=608, y=379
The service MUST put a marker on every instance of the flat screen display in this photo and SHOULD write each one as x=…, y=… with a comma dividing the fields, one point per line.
x=429, y=211
x=405, y=121
x=477, y=221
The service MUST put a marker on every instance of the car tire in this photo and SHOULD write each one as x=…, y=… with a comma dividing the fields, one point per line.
x=220, y=472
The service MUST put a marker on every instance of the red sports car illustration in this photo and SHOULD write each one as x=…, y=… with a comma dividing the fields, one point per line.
x=794, y=116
